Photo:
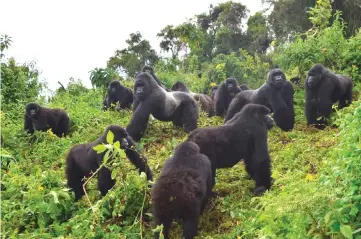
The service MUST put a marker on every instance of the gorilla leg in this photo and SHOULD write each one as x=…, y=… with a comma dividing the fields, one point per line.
x=167, y=223
x=346, y=100
x=105, y=181
x=74, y=178
x=190, y=228
x=190, y=116
x=311, y=113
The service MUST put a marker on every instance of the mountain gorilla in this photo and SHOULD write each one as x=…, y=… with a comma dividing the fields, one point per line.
x=117, y=93
x=82, y=160
x=213, y=91
x=243, y=137
x=42, y=119
x=323, y=89
x=276, y=94
x=206, y=102
x=296, y=80
x=224, y=95
x=178, y=107
x=182, y=190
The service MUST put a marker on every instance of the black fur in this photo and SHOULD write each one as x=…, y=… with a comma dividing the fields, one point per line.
x=243, y=137
x=276, y=94
x=82, y=160
x=150, y=70
x=178, y=107
x=182, y=190
x=323, y=88
x=117, y=93
x=42, y=119
x=206, y=102
x=224, y=95
x=296, y=80
x=243, y=87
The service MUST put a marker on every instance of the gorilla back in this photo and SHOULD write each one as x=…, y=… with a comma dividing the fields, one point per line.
x=178, y=107
x=117, y=93
x=244, y=136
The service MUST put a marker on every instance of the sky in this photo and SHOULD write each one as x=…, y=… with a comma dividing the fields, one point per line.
x=70, y=38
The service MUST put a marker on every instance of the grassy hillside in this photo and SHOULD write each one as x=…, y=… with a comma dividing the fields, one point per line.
x=316, y=193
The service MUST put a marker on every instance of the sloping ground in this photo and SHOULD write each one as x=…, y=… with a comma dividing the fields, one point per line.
x=309, y=168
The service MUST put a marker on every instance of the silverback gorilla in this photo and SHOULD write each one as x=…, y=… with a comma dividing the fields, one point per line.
x=42, y=119
x=276, y=94
x=224, y=95
x=150, y=70
x=182, y=190
x=243, y=137
x=206, y=102
x=82, y=160
x=323, y=88
x=178, y=107
x=117, y=93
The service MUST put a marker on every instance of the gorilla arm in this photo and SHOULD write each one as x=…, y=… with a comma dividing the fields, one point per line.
x=139, y=121
x=28, y=124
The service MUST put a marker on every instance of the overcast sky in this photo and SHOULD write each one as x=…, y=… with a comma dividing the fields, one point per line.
x=70, y=38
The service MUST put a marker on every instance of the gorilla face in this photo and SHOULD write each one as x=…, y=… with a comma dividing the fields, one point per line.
x=270, y=122
x=32, y=109
x=180, y=86
x=120, y=135
x=114, y=86
x=141, y=89
x=148, y=69
x=231, y=85
x=276, y=78
x=314, y=76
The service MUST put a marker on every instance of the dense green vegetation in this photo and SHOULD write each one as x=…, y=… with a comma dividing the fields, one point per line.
x=317, y=188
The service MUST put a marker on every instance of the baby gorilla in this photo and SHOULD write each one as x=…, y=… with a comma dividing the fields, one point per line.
x=224, y=95
x=206, y=102
x=323, y=89
x=182, y=190
x=117, y=93
x=178, y=107
x=82, y=160
x=42, y=119
x=242, y=137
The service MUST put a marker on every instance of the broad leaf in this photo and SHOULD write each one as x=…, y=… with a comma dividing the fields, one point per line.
x=346, y=230
x=100, y=148
x=110, y=137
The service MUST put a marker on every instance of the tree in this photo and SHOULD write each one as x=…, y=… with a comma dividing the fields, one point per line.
x=5, y=43
x=131, y=59
x=170, y=41
x=258, y=33
x=101, y=77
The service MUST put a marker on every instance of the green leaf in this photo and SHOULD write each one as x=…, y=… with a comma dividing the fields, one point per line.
x=122, y=153
x=354, y=210
x=346, y=230
x=114, y=174
x=100, y=148
x=117, y=145
x=327, y=217
x=55, y=196
x=110, y=137
x=106, y=157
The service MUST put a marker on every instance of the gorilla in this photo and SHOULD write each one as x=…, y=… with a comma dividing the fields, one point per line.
x=118, y=93
x=243, y=87
x=213, y=91
x=206, y=102
x=150, y=70
x=82, y=160
x=224, y=95
x=243, y=137
x=182, y=190
x=42, y=119
x=296, y=80
x=276, y=94
x=323, y=88
x=178, y=107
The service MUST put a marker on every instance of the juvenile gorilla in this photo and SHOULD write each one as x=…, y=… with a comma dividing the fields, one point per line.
x=296, y=80
x=224, y=95
x=213, y=91
x=243, y=137
x=178, y=107
x=323, y=88
x=182, y=190
x=117, y=93
x=276, y=94
x=42, y=119
x=243, y=87
x=82, y=160
x=206, y=102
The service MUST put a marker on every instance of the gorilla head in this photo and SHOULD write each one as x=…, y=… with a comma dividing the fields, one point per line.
x=231, y=85
x=114, y=86
x=143, y=84
x=243, y=87
x=276, y=78
x=186, y=149
x=180, y=86
x=32, y=110
x=148, y=69
x=315, y=76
